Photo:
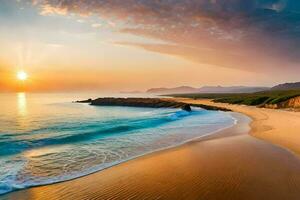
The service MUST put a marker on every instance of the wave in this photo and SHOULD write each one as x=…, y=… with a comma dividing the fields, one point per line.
x=78, y=134
x=95, y=144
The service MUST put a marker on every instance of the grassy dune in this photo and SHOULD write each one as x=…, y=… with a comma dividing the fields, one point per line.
x=254, y=99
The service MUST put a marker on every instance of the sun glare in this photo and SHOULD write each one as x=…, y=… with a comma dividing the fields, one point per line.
x=21, y=75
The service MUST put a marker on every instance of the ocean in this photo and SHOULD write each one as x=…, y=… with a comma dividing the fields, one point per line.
x=45, y=138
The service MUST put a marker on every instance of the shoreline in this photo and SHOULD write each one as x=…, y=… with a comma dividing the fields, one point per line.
x=266, y=120
x=208, y=135
x=133, y=173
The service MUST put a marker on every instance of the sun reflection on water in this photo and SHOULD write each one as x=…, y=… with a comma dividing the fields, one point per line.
x=22, y=104
x=22, y=111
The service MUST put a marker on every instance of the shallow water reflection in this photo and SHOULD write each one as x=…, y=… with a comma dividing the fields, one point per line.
x=22, y=104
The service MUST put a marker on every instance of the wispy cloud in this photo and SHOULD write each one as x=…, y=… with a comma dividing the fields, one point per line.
x=254, y=34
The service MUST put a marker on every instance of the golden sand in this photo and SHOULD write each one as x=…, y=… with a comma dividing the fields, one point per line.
x=277, y=126
x=228, y=165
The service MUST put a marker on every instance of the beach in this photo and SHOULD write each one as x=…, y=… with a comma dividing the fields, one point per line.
x=260, y=161
x=141, y=99
x=280, y=127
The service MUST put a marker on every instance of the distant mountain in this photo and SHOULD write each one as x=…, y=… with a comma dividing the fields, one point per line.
x=131, y=92
x=287, y=86
x=177, y=90
x=232, y=89
x=207, y=89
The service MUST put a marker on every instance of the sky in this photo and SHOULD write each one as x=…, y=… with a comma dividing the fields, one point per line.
x=124, y=45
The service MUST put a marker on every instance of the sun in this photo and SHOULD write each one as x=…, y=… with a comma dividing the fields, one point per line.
x=22, y=76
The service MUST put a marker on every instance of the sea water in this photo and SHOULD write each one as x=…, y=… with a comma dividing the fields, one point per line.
x=45, y=138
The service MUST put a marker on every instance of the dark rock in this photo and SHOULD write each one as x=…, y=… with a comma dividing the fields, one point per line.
x=147, y=102
x=207, y=107
x=85, y=101
x=186, y=107
x=137, y=102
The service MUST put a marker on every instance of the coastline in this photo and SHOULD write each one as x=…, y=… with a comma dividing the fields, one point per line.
x=202, y=136
x=174, y=135
x=280, y=127
x=229, y=164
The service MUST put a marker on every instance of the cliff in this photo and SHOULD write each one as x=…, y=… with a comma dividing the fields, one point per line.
x=291, y=103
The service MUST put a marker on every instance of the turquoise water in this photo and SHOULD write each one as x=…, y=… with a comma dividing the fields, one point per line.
x=45, y=138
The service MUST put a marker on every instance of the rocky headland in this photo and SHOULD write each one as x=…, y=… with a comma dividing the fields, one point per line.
x=147, y=103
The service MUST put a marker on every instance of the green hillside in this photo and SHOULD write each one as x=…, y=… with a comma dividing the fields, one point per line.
x=255, y=99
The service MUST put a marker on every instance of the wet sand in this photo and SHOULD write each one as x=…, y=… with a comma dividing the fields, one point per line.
x=228, y=165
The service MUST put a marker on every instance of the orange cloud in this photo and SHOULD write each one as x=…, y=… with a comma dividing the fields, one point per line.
x=250, y=35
